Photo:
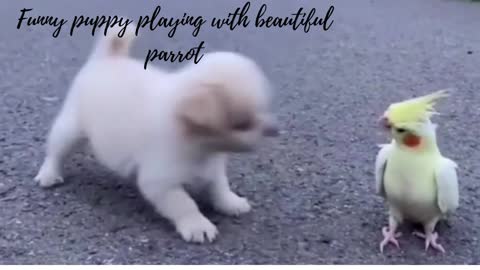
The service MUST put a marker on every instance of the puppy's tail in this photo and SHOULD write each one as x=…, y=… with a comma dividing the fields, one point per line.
x=113, y=45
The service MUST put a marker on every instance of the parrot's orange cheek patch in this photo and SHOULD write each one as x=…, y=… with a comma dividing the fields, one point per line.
x=411, y=140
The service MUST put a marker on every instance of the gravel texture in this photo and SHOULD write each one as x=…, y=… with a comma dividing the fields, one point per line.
x=312, y=188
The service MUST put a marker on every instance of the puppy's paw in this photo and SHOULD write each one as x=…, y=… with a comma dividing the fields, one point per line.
x=48, y=176
x=233, y=205
x=197, y=229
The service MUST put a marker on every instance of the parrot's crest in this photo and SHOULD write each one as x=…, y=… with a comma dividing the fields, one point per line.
x=414, y=110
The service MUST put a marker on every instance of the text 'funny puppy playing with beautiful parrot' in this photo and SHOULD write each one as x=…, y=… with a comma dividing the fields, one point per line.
x=417, y=182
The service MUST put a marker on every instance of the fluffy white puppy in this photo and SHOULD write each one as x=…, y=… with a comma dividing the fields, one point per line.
x=172, y=130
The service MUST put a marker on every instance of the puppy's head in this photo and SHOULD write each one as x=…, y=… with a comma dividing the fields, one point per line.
x=226, y=103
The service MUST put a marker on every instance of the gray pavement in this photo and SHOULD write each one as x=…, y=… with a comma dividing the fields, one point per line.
x=312, y=188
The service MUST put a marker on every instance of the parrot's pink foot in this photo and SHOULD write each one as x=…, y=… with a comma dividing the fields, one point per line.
x=430, y=240
x=389, y=237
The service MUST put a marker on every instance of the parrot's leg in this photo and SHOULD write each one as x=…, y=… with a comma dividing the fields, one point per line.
x=430, y=236
x=389, y=233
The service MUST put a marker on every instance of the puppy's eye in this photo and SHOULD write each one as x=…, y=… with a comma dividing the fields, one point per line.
x=401, y=130
x=243, y=125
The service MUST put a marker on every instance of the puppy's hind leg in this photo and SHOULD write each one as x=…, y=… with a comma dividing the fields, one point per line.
x=172, y=201
x=64, y=134
x=222, y=197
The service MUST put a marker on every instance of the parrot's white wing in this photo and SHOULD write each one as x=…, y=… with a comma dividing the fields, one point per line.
x=447, y=185
x=380, y=164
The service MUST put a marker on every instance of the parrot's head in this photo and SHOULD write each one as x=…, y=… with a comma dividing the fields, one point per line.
x=409, y=121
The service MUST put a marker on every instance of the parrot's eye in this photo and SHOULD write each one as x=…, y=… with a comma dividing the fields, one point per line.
x=401, y=130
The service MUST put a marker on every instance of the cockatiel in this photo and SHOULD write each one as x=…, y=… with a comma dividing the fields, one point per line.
x=418, y=183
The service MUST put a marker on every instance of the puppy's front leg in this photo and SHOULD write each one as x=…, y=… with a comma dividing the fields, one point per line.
x=223, y=198
x=173, y=202
x=64, y=134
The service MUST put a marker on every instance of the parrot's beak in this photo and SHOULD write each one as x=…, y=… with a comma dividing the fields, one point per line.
x=384, y=122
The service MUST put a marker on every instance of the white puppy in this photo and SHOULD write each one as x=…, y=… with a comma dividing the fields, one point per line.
x=172, y=130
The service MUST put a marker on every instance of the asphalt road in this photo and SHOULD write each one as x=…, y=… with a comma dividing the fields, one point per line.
x=312, y=188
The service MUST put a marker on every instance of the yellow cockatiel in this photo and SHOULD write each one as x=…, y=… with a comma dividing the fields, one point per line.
x=418, y=183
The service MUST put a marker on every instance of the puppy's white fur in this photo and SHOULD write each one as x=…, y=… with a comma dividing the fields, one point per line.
x=172, y=130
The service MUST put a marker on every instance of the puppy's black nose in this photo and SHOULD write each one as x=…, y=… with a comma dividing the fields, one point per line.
x=271, y=131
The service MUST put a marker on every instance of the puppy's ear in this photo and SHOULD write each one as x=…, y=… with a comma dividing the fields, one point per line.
x=201, y=112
